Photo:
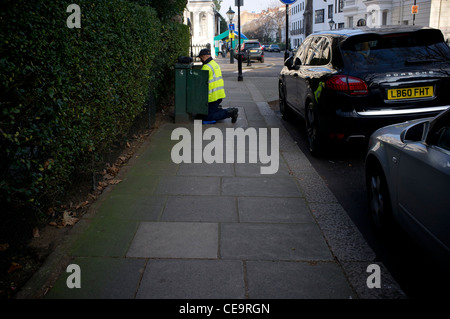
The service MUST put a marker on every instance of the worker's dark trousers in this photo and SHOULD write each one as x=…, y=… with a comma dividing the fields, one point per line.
x=215, y=113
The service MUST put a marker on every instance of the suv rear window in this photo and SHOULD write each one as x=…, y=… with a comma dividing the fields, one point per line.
x=249, y=45
x=375, y=51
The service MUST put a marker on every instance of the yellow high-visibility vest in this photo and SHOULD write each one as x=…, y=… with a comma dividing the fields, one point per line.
x=216, y=88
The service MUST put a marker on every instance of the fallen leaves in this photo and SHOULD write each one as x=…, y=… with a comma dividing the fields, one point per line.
x=69, y=215
x=112, y=170
x=114, y=181
x=68, y=219
x=82, y=204
x=13, y=267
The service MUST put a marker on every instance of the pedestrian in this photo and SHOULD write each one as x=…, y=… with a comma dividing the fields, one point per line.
x=216, y=90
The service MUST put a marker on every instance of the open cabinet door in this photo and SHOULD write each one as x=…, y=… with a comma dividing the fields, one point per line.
x=197, y=91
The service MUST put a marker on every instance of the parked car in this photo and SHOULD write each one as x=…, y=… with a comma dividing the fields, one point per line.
x=408, y=181
x=274, y=48
x=252, y=48
x=348, y=83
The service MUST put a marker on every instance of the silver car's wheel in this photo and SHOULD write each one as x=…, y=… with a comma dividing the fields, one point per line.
x=379, y=200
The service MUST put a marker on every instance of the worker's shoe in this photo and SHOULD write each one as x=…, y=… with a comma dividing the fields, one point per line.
x=233, y=113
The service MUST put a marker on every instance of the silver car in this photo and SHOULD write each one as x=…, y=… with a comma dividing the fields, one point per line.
x=408, y=181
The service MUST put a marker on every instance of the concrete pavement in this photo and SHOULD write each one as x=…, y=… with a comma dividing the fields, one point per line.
x=216, y=231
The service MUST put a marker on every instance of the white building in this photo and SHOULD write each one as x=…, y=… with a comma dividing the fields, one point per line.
x=431, y=13
x=202, y=17
x=347, y=13
x=297, y=23
x=324, y=12
x=204, y=21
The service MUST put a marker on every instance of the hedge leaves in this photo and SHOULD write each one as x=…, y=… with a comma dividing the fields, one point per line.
x=68, y=94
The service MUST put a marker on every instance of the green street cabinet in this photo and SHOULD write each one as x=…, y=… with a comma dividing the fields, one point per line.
x=191, y=92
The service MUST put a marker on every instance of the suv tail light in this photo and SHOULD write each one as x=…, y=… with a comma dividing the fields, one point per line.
x=347, y=84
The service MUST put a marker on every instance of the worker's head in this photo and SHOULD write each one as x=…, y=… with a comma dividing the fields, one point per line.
x=204, y=54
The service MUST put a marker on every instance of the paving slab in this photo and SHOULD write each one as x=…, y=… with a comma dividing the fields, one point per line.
x=105, y=237
x=102, y=278
x=192, y=279
x=296, y=280
x=273, y=210
x=254, y=169
x=175, y=240
x=206, y=169
x=260, y=186
x=200, y=209
x=132, y=207
x=188, y=185
x=252, y=241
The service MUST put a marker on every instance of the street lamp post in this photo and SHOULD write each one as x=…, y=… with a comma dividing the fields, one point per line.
x=190, y=36
x=239, y=4
x=287, y=3
x=230, y=15
x=286, y=51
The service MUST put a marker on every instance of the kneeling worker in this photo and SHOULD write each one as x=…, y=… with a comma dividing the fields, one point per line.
x=216, y=90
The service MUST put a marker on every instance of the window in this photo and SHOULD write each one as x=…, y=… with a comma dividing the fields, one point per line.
x=330, y=11
x=376, y=52
x=339, y=5
x=440, y=132
x=444, y=138
x=350, y=22
x=303, y=51
x=319, y=16
x=384, y=22
x=318, y=52
x=312, y=50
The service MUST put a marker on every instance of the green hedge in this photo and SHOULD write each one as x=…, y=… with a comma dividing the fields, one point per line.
x=166, y=9
x=68, y=94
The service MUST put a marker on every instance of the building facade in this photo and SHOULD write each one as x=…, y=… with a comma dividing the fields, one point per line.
x=387, y=12
x=297, y=23
x=325, y=15
x=201, y=16
x=430, y=13
x=334, y=14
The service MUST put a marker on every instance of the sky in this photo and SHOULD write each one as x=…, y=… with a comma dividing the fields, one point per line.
x=249, y=5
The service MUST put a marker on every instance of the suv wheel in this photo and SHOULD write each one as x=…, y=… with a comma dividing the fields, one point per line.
x=284, y=109
x=312, y=130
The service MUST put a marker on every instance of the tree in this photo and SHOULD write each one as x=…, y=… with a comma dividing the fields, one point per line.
x=217, y=4
x=278, y=16
x=308, y=17
x=260, y=29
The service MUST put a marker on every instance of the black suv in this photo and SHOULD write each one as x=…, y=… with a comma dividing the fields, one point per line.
x=350, y=82
x=252, y=48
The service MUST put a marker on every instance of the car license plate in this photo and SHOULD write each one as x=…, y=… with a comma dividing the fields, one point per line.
x=253, y=51
x=410, y=93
